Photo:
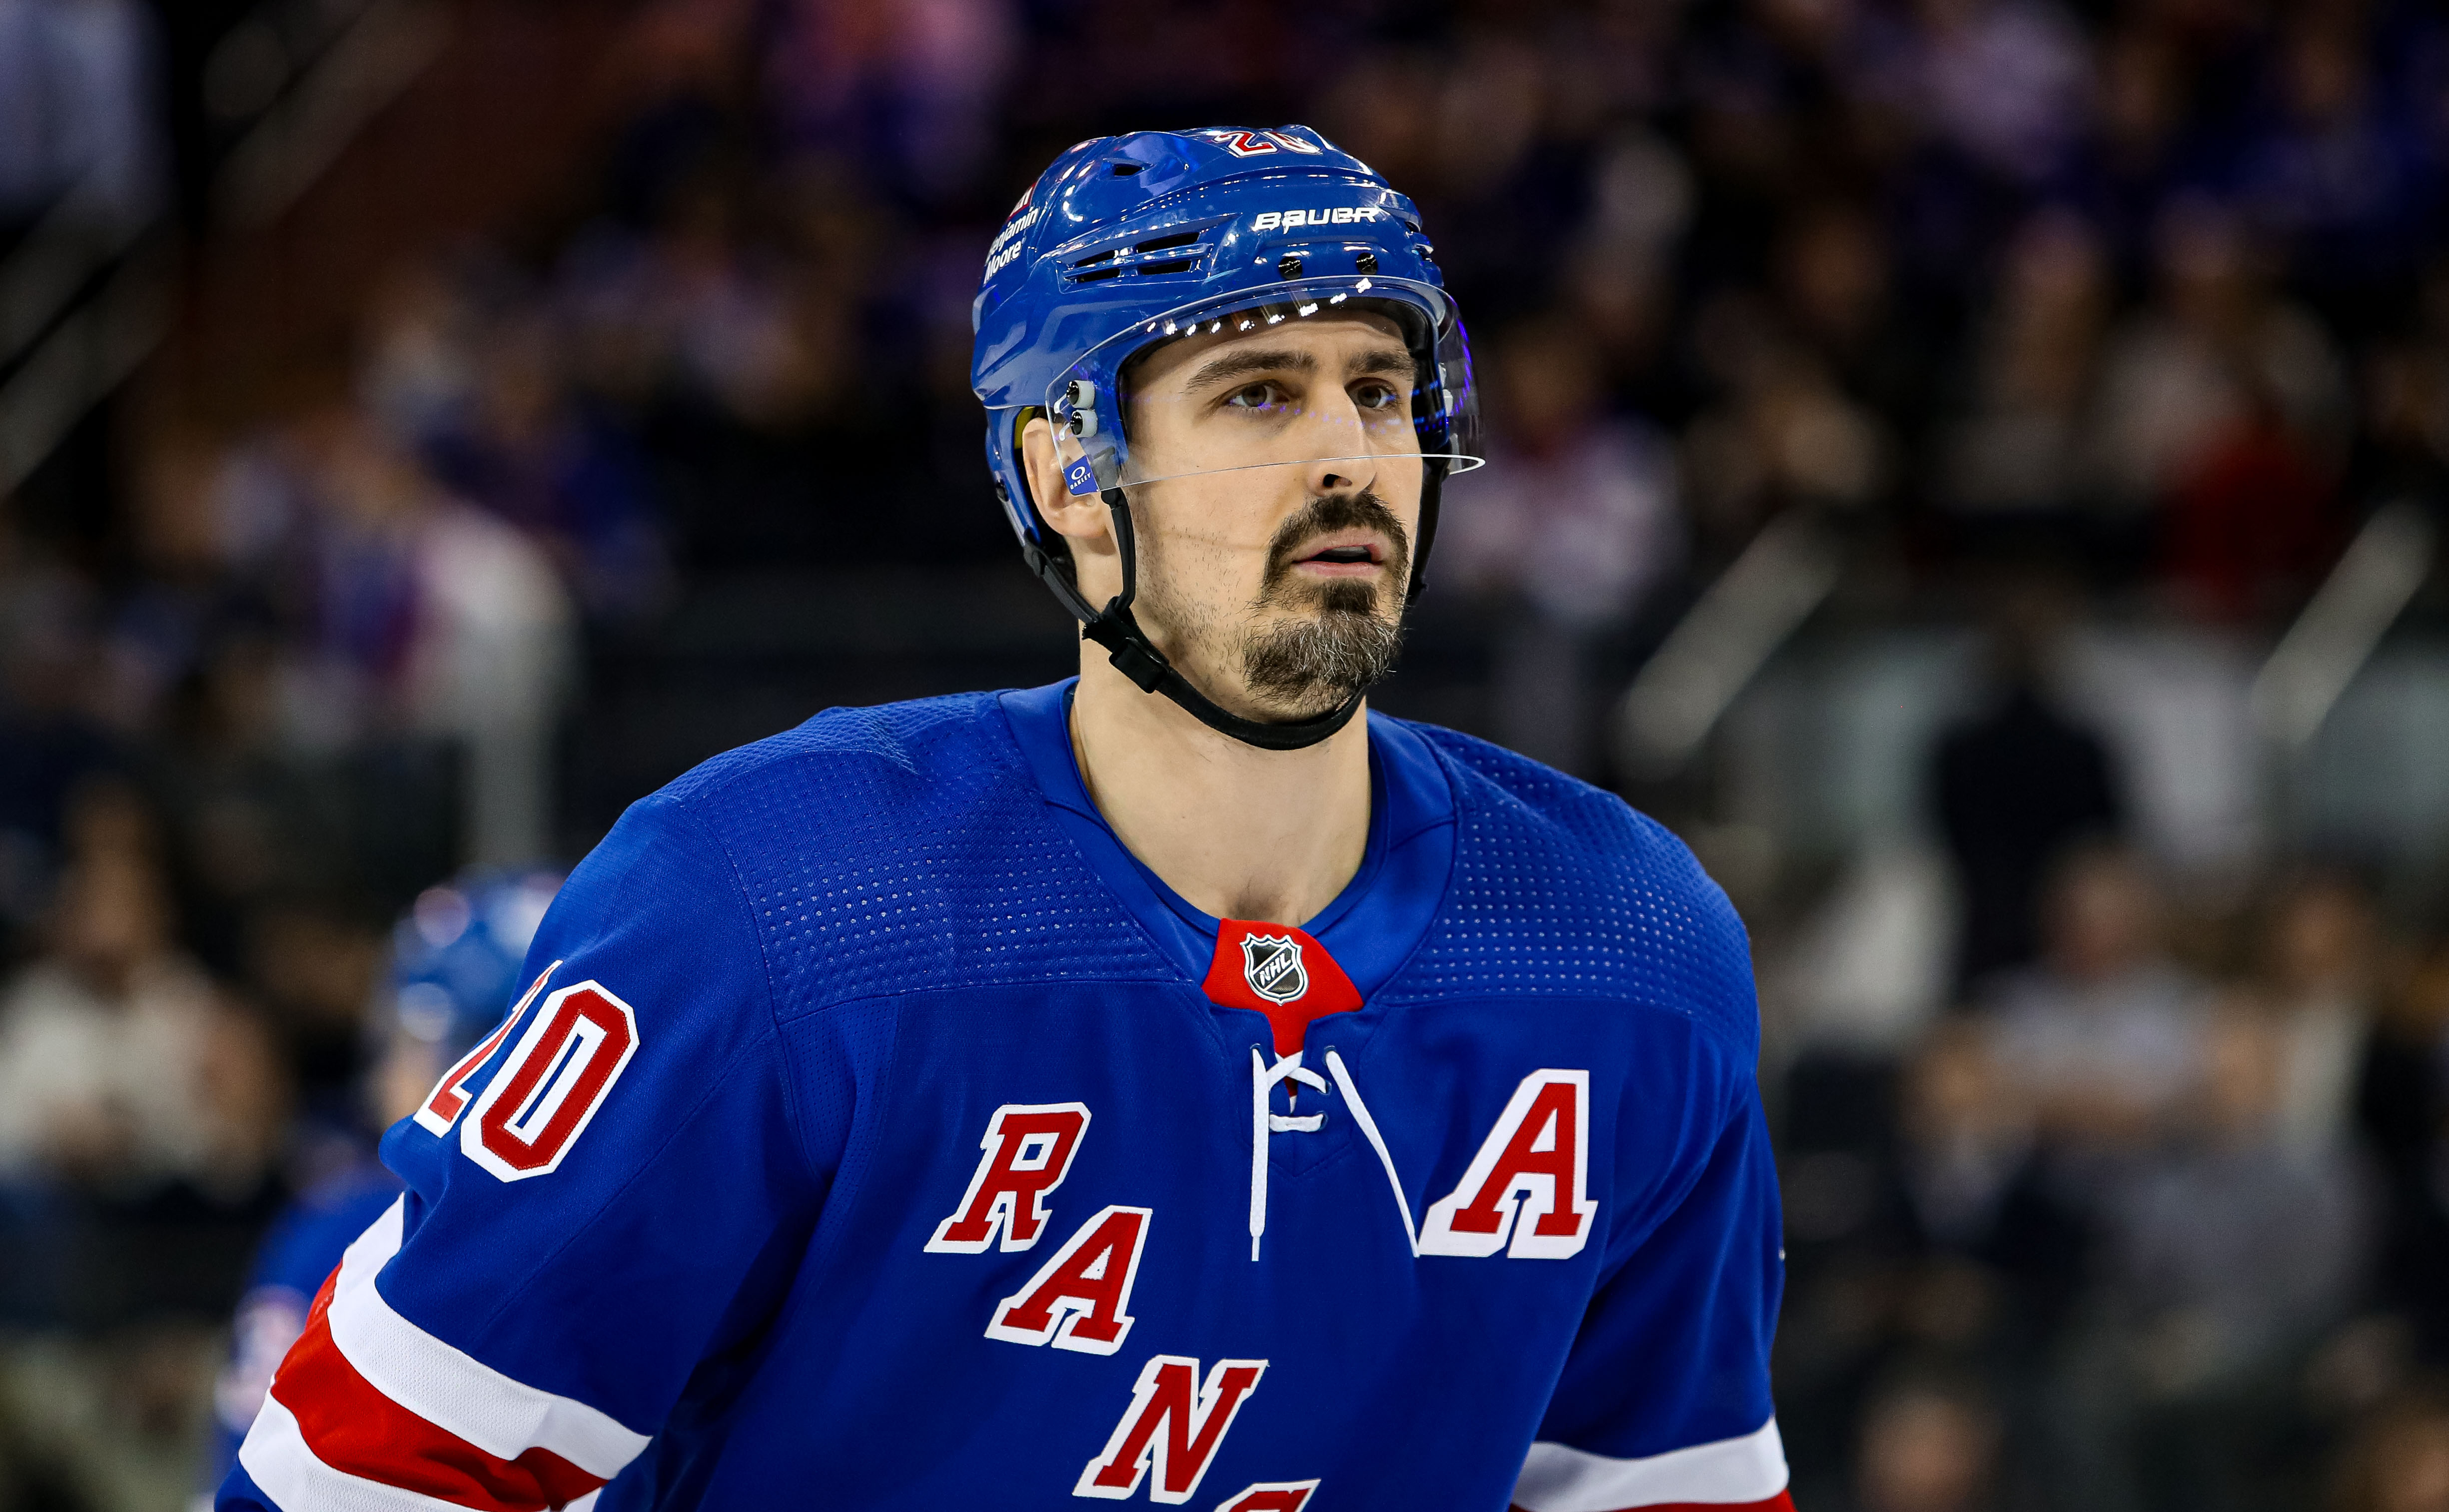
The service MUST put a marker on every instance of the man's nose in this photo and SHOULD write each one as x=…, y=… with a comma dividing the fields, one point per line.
x=1341, y=459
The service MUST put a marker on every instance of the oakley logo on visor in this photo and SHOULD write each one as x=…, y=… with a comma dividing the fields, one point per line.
x=1080, y=477
x=1340, y=215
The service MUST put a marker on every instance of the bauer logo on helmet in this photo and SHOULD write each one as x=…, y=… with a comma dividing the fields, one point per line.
x=1339, y=215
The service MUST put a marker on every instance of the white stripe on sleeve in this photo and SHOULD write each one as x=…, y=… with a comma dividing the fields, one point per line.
x=276, y=1458
x=1558, y=1479
x=452, y=1389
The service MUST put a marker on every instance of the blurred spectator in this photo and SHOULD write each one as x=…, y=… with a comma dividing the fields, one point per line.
x=2010, y=459
x=1620, y=278
x=2004, y=81
x=2405, y=445
x=1930, y=1443
x=49, y=739
x=2136, y=151
x=1575, y=520
x=2104, y=1034
x=2323, y=966
x=2402, y=1112
x=2016, y=787
x=1975, y=1188
x=922, y=77
x=2329, y=168
x=312, y=962
x=1785, y=434
x=1933, y=1227
x=248, y=820
x=692, y=306
x=120, y=1067
x=2237, y=1248
x=1834, y=290
x=2222, y=406
x=2402, y=451
x=437, y=615
x=2400, y=1459
x=526, y=449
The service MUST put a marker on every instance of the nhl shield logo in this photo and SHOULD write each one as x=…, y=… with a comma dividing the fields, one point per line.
x=1272, y=965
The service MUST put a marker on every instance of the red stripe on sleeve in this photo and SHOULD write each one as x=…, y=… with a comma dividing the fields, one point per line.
x=353, y=1427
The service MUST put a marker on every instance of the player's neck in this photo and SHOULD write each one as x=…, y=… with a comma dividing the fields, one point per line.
x=1240, y=832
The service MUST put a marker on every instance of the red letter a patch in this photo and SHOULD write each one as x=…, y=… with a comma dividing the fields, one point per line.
x=1080, y=1299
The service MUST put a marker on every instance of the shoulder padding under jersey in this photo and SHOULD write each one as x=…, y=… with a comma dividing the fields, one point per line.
x=1564, y=890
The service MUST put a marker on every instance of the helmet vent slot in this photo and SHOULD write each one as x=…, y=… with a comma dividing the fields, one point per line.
x=1178, y=239
x=1100, y=273
x=1107, y=255
x=1124, y=170
x=1150, y=270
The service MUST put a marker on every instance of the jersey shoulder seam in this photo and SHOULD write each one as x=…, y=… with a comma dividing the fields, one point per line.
x=771, y=1027
x=717, y=774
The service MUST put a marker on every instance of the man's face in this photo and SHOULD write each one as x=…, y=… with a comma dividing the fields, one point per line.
x=1275, y=542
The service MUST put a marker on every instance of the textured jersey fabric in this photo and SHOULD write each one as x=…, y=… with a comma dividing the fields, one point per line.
x=867, y=1141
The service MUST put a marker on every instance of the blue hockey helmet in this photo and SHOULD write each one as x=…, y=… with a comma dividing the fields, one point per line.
x=1131, y=241
x=456, y=954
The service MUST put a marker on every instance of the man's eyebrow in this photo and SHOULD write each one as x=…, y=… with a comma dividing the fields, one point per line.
x=1385, y=360
x=1231, y=365
x=1242, y=365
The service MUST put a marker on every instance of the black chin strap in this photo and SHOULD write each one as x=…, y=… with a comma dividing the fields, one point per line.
x=1137, y=658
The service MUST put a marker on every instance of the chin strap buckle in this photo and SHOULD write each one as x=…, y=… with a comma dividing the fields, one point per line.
x=1127, y=649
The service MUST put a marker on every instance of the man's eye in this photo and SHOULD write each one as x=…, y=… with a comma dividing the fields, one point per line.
x=1375, y=396
x=1256, y=396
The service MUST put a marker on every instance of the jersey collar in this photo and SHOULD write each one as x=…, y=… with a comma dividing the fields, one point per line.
x=1373, y=923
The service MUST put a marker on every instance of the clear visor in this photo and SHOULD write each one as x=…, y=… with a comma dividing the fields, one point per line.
x=1371, y=373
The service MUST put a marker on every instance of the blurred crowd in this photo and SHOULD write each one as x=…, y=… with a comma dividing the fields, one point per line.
x=2151, y=293
x=2153, y=1217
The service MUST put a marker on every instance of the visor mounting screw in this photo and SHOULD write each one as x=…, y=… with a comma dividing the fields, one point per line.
x=1289, y=268
x=1366, y=262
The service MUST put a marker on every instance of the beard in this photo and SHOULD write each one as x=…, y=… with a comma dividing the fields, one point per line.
x=1303, y=646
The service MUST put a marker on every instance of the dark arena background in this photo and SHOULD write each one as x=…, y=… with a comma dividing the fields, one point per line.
x=1975, y=468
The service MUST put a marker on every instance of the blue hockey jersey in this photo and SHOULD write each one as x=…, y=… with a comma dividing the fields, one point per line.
x=879, y=1133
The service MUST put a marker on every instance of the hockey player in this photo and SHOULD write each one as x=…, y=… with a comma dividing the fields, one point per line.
x=1171, y=1085
x=455, y=969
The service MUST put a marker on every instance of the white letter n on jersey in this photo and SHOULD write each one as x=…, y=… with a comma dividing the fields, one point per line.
x=1029, y=1149
x=1530, y=1183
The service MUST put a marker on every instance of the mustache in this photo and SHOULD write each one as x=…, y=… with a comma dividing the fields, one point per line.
x=1329, y=512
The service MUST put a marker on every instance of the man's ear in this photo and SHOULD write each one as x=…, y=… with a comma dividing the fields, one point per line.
x=1078, y=518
